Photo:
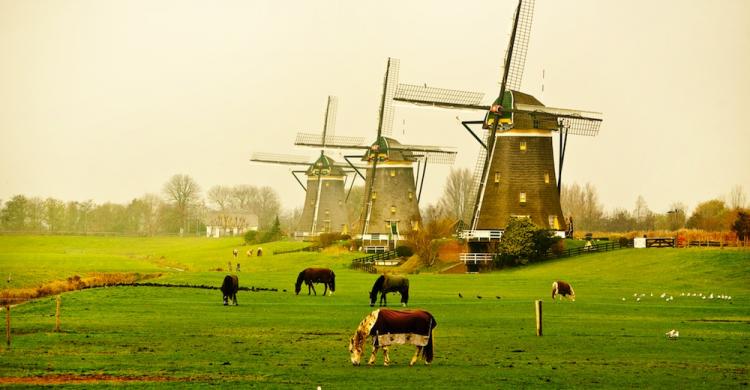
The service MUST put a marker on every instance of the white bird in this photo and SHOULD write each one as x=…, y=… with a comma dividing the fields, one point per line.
x=711, y=296
x=682, y=295
x=623, y=299
x=638, y=299
x=673, y=334
x=663, y=295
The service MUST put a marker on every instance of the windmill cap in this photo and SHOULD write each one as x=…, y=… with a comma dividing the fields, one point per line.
x=324, y=165
x=387, y=149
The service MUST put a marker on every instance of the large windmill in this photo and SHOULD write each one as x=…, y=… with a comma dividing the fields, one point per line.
x=392, y=190
x=515, y=171
x=324, y=209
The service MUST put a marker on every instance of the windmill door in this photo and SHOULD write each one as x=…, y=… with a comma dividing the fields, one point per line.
x=394, y=234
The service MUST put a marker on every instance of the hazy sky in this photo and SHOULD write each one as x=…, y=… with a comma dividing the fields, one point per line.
x=106, y=100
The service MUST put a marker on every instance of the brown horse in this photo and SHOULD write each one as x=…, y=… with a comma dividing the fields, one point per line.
x=389, y=283
x=316, y=275
x=563, y=289
x=389, y=327
x=229, y=288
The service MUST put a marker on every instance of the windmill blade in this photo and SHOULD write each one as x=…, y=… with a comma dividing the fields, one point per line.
x=515, y=56
x=330, y=141
x=433, y=154
x=277, y=158
x=329, y=126
x=389, y=91
x=439, y=97
x=576, y=122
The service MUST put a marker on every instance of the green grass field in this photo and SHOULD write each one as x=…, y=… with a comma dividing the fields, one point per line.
x=162, y=337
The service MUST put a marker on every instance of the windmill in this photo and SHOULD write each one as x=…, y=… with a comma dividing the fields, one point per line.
x=515, y=171
x=323, y=210
x=392, y=190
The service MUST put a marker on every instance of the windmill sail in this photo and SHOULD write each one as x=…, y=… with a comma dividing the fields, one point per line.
x=439, y=97
x=515, y=56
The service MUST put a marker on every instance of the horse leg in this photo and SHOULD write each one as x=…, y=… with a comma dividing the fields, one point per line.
x=373, y=355
x=325, y=288
x=226, y=300
x=234, y=298
x=313, y=288
x=416, y=356
x=386, y=357
x=403, y=304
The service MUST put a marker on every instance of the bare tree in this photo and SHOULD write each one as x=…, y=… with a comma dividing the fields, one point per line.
x=457, y=194
x=582, y=203
x=245, y=197
x=221, y=196
x=737, y=197
x=267, y=206
x=182, y=190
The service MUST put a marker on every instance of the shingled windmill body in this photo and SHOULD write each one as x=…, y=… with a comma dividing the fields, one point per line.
x=515, y=171
x=324, y=209
x=392, y=190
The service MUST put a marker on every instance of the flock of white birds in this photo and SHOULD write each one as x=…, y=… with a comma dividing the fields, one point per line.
x=668, y=297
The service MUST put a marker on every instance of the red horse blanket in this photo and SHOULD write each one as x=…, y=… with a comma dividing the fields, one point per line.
x=403, y=327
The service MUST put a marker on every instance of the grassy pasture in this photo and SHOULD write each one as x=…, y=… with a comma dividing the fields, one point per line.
x=277, y=339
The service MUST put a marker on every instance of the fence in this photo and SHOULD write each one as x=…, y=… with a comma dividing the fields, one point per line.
x=605, y=247
x=367, y=263
x=311, y=248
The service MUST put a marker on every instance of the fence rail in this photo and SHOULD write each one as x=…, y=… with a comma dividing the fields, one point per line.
x=311, y=248
x=605, y=247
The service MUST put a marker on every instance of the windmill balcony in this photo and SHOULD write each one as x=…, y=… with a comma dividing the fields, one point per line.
x=481, y=235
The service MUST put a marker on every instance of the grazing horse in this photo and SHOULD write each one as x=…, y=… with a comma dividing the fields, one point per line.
x=316, y=275
x=389, y=283
x=394, y=327
x=563, y=289
x=229, y=289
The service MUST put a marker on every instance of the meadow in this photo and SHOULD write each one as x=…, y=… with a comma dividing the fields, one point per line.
x=172, y=337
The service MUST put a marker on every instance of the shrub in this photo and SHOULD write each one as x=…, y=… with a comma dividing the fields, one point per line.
x=250, y=236
x=326, y=239
x=404, y=251
x=523, y=241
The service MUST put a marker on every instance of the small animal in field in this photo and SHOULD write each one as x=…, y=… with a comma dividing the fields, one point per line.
x=316, y=275
x=235, y=252
x=260, y=252
x=563, y=289
x=229, y=288
x=249, y=252
x=389, y=283
x=388, y=327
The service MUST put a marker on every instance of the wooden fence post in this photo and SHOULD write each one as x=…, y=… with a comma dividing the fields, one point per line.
x=7, y=324
x=538, y=305
x=57, y=314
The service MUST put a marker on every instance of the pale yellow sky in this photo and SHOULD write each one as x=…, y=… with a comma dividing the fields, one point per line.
x=105, y=100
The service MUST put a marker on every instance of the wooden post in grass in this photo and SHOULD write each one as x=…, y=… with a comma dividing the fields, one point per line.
x=57, y=314
x=538, y=305
x=7, y=324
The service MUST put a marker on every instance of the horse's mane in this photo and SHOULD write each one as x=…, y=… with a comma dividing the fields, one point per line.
x=300, y=277
x=378, y=284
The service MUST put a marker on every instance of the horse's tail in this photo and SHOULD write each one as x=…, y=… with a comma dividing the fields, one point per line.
x=405, y=292
x=333, y=282
x=427, y=351
x=554, y=289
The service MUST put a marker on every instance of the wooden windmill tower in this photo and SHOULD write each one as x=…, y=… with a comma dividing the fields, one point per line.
x=324, y=209
x=392, y=190
x=515, y=171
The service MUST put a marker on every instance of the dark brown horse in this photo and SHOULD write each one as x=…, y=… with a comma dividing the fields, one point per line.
x=389, y=327
x=229, y=288
x=389, y=283
x=316, y=275
x=563, y=289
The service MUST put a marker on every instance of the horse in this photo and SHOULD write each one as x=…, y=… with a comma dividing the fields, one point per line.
x=389, y=327
x=316, y=275
x=563, y=289
x=229, y=289
x=389, y=283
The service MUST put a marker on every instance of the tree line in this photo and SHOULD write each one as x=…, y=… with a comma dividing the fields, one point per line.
x=581, y=202
x=180, y=207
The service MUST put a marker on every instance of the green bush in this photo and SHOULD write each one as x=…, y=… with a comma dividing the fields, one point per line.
x=404, y=251
x=523, y=242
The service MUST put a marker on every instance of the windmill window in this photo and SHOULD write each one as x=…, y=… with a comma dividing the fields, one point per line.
x=497, y=177
x=325, y=171
x=522, y=197
x=546, y=178
x=339, y=203
x=328, y=212
x=393, y=172
x=374, y=195
x=411, y=195
x=522, y=146
x=393, y=209
x=327, y=184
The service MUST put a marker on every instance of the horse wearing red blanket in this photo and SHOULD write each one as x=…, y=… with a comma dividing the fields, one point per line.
x=563, y=289
x=389, y=327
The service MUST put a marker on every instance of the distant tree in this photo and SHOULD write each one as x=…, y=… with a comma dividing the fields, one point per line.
x=267, y=207
x=737, y=197
x=182, y=190
x=709, y=215
x=741, y=225
x=221, y=196
x=582, y=203
x=620, y=220
x=677, y=216
x=290, y=218
x=54, y=214
x=425, y=239
x=14, y=212
x=456, y=197
x=273, y=233
x=244, y=198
